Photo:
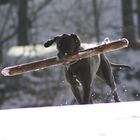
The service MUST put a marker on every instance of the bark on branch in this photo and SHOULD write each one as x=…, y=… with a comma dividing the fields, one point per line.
x=41, y=64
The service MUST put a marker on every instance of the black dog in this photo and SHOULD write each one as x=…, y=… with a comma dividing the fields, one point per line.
x=82, y=73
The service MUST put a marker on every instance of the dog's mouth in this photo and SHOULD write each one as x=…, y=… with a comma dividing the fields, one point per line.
x=61, y=56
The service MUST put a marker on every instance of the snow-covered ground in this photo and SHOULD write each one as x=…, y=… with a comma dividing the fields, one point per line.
x=86, y=122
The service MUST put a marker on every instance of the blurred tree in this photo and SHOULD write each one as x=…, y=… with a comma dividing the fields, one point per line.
x=4, y=22
x=96, y=13
x=138, y=12
x=127, y=19
x=4, y=1
x=9, y=28
x=22, y=22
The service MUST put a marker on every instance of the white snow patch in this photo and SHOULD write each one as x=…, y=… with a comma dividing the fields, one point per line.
x=31, y=51
x=85, y=122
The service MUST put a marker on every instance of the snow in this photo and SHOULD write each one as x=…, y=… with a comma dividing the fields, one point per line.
x=86, y=122
x=30, y=51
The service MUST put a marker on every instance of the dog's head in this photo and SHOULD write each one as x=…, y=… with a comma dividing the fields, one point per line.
x=66, y=44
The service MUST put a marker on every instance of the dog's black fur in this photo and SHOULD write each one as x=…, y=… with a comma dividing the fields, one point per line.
x=82, y=73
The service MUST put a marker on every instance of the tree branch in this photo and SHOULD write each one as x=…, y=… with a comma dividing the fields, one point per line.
x=39, y=8
x=10, y=36
x=37, y=65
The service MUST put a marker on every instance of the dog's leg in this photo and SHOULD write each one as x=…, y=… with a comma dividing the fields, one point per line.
x=87, y=93
x=74, y=86
x=105, y=73
x=76, y=93
x=88, y=75
x=80, y=89
x=115, y=96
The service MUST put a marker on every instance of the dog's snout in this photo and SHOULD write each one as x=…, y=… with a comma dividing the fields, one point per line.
x=62, y=55
x=65, y=54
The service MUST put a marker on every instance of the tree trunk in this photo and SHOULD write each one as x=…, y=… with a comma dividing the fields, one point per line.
x=138, y=13
x=23, y=22
x=96, y=20
x=1, y=54
x=4, y=2
x=127, y=18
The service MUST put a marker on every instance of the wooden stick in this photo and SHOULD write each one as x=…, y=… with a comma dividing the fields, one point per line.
x=37, y=65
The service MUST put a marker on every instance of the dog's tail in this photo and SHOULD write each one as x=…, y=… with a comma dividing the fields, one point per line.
x=121, y=66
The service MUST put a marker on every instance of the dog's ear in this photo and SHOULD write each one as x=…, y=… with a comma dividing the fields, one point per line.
x=50, y=42
x=77, y=39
